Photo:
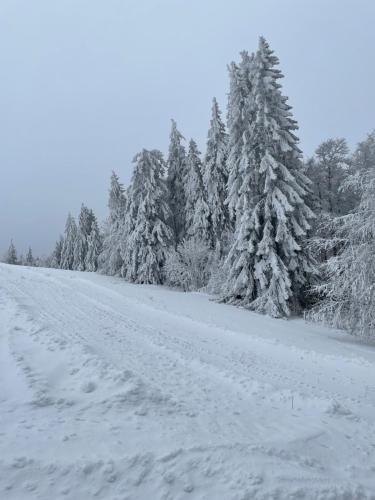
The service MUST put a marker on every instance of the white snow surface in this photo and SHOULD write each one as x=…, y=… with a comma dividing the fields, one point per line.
x=116, y=391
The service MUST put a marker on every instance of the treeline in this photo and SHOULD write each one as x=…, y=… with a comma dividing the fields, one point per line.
x=250, y=220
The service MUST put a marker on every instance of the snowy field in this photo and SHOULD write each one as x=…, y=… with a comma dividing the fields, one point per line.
x=115, y=391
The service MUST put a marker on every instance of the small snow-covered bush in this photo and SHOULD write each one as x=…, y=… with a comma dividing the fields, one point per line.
x=188, y=267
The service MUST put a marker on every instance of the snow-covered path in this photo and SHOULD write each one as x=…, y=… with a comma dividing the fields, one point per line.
x=114, y=391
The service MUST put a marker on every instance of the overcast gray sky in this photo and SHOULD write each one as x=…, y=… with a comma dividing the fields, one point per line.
x=86, y=83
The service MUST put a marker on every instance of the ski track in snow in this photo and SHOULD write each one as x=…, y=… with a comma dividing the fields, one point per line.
x=115, y=391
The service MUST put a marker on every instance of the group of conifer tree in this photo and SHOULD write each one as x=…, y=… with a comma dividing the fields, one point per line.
x=242, y=210
x=11, y=257
x=81, y=245
x=250, y=220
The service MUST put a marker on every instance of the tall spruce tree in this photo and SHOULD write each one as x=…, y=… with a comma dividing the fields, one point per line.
x=94, y=247
x=57, y=253
x=149, y=210
x=70, y=238
x=197, y=214
x=176, y=165
x=85, y=222
x=110, y=260
x=127, y=228
x=11, y=255
x=30, y=261
x=215, y=177
x=268, y=262
x=239, y=121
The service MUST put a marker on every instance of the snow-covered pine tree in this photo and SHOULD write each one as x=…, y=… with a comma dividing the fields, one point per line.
x=11, y=255
x=110, y=259
x=151, y=234
x=240, y=287
x=126, y=231
x=94, y=247
x=29, y=258
x=239, y=120
x=55, y=260
x=215, y=177
x=85, y=221
x=197, y=214
x=70, y=237
x=268, y=261
x=176, y=166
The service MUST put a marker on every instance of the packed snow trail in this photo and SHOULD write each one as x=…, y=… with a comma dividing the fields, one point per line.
x=115, y=391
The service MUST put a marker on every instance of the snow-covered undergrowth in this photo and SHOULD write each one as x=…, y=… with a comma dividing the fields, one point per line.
x=115, y=391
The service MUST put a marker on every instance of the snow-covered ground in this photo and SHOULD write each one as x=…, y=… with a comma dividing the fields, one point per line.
x=115, y=391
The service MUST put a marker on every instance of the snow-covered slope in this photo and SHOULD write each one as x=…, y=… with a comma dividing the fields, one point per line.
x=116, y=391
